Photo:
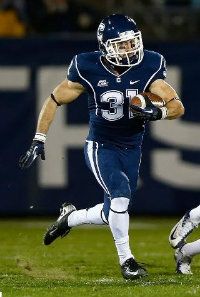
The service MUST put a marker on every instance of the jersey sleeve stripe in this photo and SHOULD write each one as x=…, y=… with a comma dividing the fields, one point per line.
x=70, y=65
x=161, y=61
x=86, y=82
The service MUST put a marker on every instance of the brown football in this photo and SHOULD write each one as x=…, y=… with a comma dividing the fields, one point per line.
x=139, y=100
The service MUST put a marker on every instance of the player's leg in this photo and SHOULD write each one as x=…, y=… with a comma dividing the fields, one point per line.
x=99, y=213
x=119, y=225
x=182, y=261
x=71, y=217
x=130, y=159
x=183, y=256
x=103, y=160
x=94, y=215
x=109, y=170
x=106, y=166
x=59, y=228
x=184, y=227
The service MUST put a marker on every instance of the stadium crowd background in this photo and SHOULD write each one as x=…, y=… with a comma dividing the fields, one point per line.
x=158, y=19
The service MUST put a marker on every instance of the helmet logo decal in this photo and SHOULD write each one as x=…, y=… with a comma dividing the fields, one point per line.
x=101, y=27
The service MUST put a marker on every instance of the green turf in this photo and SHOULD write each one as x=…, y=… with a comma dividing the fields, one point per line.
x=85, y=262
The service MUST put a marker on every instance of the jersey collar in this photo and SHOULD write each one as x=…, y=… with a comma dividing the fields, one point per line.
x=110, y=71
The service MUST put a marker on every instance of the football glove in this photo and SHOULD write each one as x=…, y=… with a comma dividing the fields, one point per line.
x=36, y=150
x=147, y=113
x=150, y=112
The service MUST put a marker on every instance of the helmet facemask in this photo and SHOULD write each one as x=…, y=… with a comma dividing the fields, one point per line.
x=126, y=50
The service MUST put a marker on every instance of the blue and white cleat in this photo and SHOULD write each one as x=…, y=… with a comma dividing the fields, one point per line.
x=182, y=262
x=181, y=230
x=60, y=227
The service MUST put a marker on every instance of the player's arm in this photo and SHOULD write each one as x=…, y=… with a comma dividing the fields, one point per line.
x=172, y=109
x=64, y=93
x=173, y=104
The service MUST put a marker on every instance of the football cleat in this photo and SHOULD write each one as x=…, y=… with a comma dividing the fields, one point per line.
x=181, y=230
x=60, y=227
x=131, y=270
x=182, y=262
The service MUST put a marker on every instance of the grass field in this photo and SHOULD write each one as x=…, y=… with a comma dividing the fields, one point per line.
x=85, y=263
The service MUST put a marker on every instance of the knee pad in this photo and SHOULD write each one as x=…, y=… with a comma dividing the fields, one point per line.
x=119, y=205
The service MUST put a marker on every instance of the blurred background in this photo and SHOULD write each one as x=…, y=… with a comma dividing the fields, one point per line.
x=37, y=41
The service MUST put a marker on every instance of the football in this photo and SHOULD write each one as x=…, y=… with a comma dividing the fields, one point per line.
x=140, y=101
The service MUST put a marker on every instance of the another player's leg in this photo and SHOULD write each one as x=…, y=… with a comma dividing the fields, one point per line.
x=184, y=227
x=70, y=217
x=184, y=255
x=183, y=261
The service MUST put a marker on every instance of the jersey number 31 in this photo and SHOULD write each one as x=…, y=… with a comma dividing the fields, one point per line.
x=116, y=100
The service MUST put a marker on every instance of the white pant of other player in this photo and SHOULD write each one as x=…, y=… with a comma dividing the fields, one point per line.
x=177, y=239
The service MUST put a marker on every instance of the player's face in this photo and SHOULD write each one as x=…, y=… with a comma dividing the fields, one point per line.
x=126, y=47
x=125, y=50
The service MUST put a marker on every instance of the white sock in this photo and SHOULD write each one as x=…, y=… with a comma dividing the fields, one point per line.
x=119, y=225
x=192, y=248
x=195, y=215
x=91, y=215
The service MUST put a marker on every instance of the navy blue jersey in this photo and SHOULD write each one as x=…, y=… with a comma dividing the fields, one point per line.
x=109, y=95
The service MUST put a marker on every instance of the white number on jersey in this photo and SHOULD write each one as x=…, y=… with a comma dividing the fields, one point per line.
x=116, y=100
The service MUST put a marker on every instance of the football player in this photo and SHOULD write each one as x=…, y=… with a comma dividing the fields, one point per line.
x=177, y=239
x=111, y=77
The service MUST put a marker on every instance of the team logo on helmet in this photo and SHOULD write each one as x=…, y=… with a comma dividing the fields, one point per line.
x=101, y=27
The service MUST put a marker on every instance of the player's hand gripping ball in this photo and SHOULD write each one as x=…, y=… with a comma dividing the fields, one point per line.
x=147, y=106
